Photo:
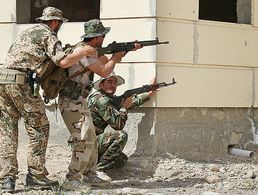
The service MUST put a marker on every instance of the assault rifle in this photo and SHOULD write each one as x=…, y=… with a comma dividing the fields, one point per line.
x=117, y=101
x=117, y=47
x=127, y=46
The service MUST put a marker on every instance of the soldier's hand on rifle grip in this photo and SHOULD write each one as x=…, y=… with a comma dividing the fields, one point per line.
x=151, y=93
x=153, y=82
x=117, y=57
x=128, y=102
x=136, y=46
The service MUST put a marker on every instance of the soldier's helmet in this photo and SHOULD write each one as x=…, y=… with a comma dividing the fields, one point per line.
x=51, y=13
x=94, y=28
x=119, y=79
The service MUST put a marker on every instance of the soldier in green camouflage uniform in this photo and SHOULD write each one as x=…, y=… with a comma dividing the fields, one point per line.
x=111, y=142
x=19, y=98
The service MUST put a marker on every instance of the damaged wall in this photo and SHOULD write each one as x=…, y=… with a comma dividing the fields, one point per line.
x=195, y=133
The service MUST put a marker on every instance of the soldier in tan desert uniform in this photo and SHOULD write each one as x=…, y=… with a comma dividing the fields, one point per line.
x=75, y=112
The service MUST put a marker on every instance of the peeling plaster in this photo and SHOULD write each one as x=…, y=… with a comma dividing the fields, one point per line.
x=254, y=131
x=195, y=40
x=218, y=114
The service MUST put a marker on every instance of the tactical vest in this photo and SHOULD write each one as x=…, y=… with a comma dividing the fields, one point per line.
x=73, y=89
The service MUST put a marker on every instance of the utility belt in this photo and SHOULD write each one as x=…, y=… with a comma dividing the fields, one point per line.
x=9, y=76
x=74, y=90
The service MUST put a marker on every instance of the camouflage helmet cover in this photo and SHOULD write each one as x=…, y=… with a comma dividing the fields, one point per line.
x=51, y=13
x=94, y=28
x=119, y=79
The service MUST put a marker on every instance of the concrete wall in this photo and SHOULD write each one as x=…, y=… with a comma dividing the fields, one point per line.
x=215, y=64
x=196, y=133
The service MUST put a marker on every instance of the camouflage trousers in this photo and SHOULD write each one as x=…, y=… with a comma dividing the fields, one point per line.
x=110, y=146
x=77, y=118
x=17, y=101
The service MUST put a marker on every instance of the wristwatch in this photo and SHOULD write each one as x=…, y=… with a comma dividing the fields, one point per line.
x=123, y=109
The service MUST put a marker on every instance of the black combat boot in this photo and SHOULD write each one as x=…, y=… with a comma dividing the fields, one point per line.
x=8, y=184
x=120, y=160
x=40, y=181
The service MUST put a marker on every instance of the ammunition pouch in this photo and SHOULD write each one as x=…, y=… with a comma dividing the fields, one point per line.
x=74, y=90
x=9, y=76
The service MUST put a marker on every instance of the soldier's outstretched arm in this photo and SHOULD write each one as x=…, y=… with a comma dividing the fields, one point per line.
x=74, y=57
x=104, y=70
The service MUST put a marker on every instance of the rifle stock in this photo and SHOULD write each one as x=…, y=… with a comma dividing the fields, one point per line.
x=127, y=46
x=117, y=101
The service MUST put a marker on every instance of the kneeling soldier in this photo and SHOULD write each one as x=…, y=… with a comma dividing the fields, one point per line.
x=111, y=142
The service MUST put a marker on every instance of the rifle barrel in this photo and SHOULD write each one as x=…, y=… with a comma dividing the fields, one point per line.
x=164, y=42
x=164, y=84
x=151, y=42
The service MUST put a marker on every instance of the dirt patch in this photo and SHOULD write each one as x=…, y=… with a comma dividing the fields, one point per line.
x=163, y=174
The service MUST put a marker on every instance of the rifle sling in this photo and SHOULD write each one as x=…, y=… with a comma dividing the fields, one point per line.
x=77, y=73
x=81, y=71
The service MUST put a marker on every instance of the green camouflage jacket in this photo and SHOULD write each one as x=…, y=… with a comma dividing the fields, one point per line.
x=104, y=113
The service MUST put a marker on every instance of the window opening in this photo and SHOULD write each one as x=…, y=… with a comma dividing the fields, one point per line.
x=235, y=11
x=74, y=10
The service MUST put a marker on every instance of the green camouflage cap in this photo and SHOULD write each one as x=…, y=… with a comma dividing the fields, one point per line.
x=119, y=79
x=51, y=13
x=94, y=28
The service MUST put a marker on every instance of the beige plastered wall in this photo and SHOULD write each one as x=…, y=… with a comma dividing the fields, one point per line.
x=214, y=63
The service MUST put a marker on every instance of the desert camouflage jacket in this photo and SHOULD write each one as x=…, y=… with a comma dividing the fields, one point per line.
x=33, y=46
x=104, y=113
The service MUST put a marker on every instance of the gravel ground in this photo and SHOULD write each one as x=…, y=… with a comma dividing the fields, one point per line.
x=147, y=175
x=165, y=174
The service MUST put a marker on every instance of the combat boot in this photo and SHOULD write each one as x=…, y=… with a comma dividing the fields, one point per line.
x=120, y=160
x=8, y=184
x=40, y=181
x=96, y=179
x=117, y=162
x=76, y=184
x=104, y=165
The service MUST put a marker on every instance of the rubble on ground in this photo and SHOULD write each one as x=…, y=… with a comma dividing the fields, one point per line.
x=157, y=175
